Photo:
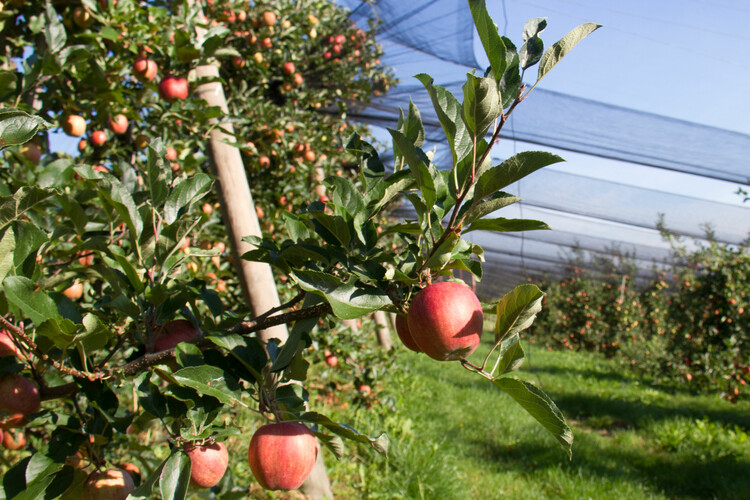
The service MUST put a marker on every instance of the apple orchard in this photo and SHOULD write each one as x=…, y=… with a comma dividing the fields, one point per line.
x=136, y=349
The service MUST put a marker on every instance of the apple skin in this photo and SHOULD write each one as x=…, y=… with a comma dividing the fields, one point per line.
x=144, y=69
x=31, y=152
x=281, y=455
x=402, y=329
x=82, y=17
x=173, y=87
x=13, y=440
x=118, y=124
x=74, y=291
x=98, y=138
x=269, y=18
x=74, y=125
x=209, y=463
x=19, y=398
x=8, y=347
x=445, y=320
x=110, y=484
x=174, y=332
x=288, y=68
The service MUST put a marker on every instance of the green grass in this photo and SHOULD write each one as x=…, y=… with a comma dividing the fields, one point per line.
x=455, y=435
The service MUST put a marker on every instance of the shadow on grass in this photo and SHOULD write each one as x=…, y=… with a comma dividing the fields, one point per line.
x=673, y=476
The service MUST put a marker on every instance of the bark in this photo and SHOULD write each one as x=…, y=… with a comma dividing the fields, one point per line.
x=382, y=330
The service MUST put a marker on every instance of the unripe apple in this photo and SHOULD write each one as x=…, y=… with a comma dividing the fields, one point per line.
x=144, y=69
x=288, y=68
x=19, y=398
x=281, y=455
x=173, y=87
x=74, y=291
x=74, y=125
x=445, y=320
x=209, y=463
x=118, y=124
x=269, y=18
x=174, y=332
x=14, y=440
x=82, y=17
x=402, y=329
x=258, y=57
x=98, y=138
x=110, y=484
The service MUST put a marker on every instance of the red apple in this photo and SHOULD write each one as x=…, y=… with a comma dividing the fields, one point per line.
x=298, y=79
x=75, y=291
x=402, y=329
x=174, y=332
x=110, y=484
x=74, y=125
x=365, y=390
x=19, y=398
x=173, y=87
x=281, y=455
x=14, y=440
x=118, y=124
x=98, y=138
x=209, y=463
x=7, y=346
x=144, y=69
x=332, y=360
x=288, y=68
x=171, y=154
x=445, y=320
x=31, y=152
x=269, y=18
x=82, y=145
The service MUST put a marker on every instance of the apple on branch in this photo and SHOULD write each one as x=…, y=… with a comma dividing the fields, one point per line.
x=281, y=455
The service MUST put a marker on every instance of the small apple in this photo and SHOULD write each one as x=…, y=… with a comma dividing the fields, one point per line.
x=269, y=18
x=173, y=87
x=402, y=329
x=445, y=320
x=365, y=390
x=118, y=124
x=174, y=332
x=31, y=152
x=74, y=291
x=332, y=360
x=207, y=209
x=171, y=154
x=264, y=161
x=19, y=398
x=309, y=156
x=266, y=43
x=209, y=463
x=82, y=17
x=98, y=138
x=14, y=440
x=144, y=69
x=8, y=347
x=74, y=125
x=142, y=140
x=82, y=145
x=281, y=455
x=298, y=79
x=238, y=62
x=109, y=484
x=288, y=68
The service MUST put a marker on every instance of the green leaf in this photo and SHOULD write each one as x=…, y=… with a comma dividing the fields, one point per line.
x=541, y=407
x=511, y=355
x=96, y=335
x=36, y=305
x=7, y=247
x=531, y=52
x=28, y=241
x=488, y=34
x=533, y=27
x=54, y=31
x=147, y=485
x=412, y=126
x=184, y=194
x=210, y=381
x=481, y=104
x=511, y=170
x=334, y=224
x=380, y=444
x=419, y=165
x=385, y=191
x=449, y=112
x=476, y=210
x=174, y=479
x=504, y=225
x=8, y=83
x=117, y=195
x=18, y=127
x=516, y=310
x=556, y=52
x=59, y=332
x=348, y=300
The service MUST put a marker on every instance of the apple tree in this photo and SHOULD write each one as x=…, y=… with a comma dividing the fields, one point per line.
x=125, y=336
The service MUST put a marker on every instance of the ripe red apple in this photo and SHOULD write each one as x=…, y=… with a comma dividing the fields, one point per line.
x=98, y=138
x=174, y=332
x=281, y=455
x=109, y=484
x=19, y=398
x=365, y=390
x=266, y=43
x=402, y=329
x=171, y=154
x=14, y=440
x=209, y=463
x=7, y=346
x=269, y=18
x=288, y=68
x=144, y=69
x=82, y=17
x=332, y=360
x=264, y=161
x=207, y=209
x=173, y=87
x=82, y=145
x=298, y=79
x=74, y=125
x=74, y=291
x=118, y=124
x=445, y=320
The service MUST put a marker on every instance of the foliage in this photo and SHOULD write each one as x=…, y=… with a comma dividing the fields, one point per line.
x=96, y=250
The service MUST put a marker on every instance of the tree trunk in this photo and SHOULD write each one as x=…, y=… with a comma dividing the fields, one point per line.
x=383, y=332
